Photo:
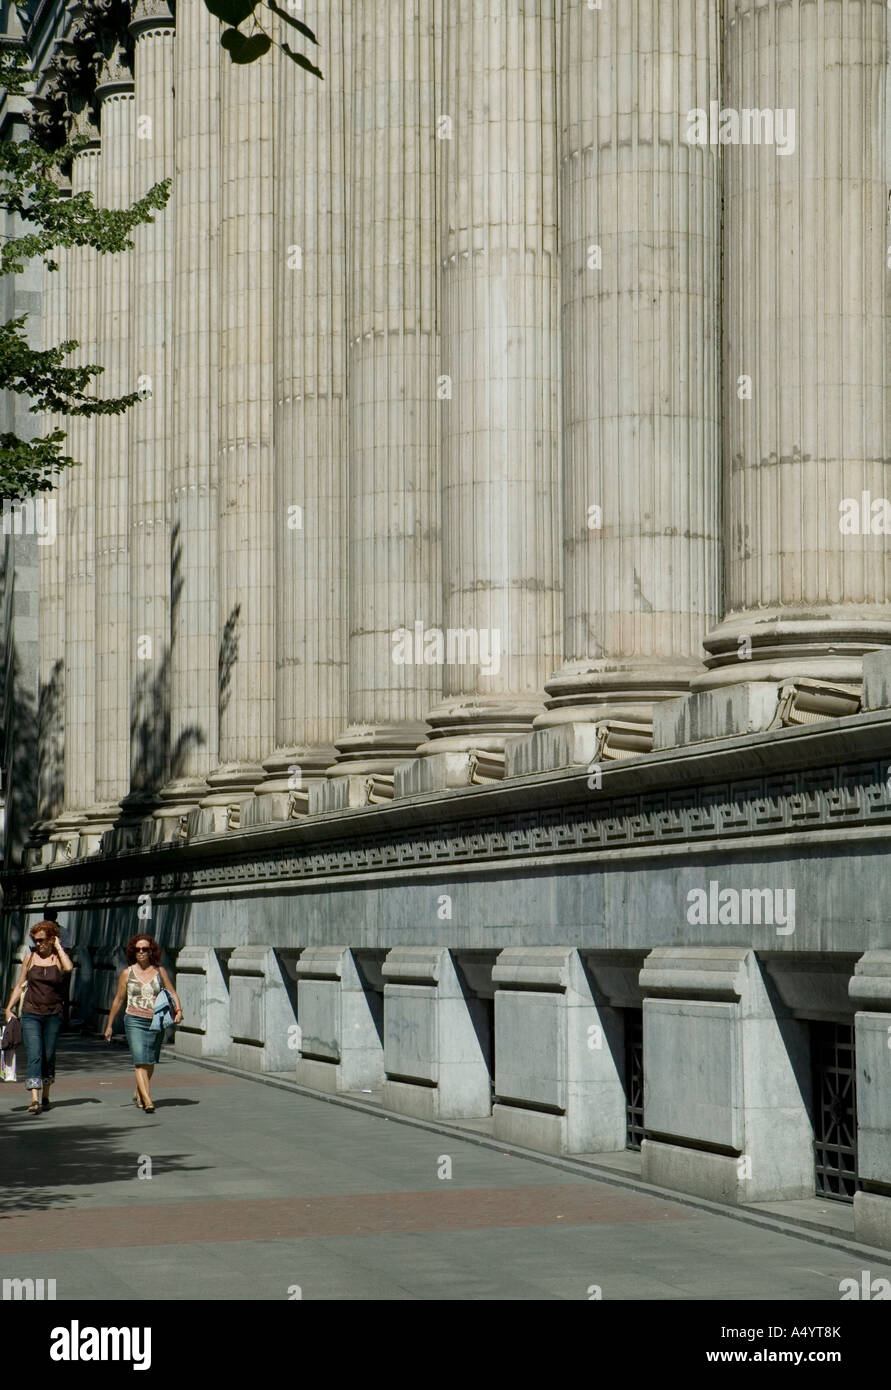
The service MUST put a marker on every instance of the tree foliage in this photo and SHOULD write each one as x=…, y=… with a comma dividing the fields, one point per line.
x=32, y=185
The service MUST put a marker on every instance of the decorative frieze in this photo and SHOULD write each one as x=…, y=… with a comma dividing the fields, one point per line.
x=839, y=799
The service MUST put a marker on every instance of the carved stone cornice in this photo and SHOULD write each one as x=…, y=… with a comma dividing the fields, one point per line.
x=846, y=800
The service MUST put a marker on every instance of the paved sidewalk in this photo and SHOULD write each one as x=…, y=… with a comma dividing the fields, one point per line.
x=257, y=1192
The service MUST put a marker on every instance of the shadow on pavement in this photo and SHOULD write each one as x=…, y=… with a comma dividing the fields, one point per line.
x=91, y=1054
x=38, y=1158
x=78, y=1100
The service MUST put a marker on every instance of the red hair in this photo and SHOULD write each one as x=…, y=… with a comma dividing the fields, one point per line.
x=154, y=953
x=48, y=928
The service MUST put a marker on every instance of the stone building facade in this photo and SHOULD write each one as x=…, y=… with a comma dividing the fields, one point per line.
x=475, y=649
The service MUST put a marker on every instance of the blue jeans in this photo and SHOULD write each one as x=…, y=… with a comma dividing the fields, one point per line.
x=40, y=1032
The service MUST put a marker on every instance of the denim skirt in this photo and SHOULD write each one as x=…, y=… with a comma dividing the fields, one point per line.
x=145, y=1046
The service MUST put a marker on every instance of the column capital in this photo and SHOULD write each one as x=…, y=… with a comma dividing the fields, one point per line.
x=83, y=126
x=151, y=15
x=115, y=75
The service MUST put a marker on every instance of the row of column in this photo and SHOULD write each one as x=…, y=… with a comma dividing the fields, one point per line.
x=440, y=339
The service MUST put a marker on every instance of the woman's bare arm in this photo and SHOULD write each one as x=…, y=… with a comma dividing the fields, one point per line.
x=19, y=985
x=116, y=1003
x=64, y=960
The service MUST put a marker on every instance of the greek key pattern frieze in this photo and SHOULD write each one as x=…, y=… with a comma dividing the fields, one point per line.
x=825, y=799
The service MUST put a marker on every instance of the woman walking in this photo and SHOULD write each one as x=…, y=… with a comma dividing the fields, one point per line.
x=140, y=985
x=44, y=978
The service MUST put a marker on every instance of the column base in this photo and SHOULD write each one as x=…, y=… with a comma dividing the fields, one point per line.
x=231, y=785
x=284, y=794
x=101, y=819
x=136, y=825
x=780, y=645
x=177, y=801
x=596, y=690
x=365, y=750
x=66, y=835
x=472, y=723
x=37, y=849
x=58, y=840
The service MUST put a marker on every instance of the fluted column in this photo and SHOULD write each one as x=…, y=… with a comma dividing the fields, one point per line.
x=80, y=512
x=151, y=421
x=310, y=519
x=393, y=367
x=245, y=456
x=640, y=270
x=114, y=94
x=52, y=561
x=807, y=344
x=500, y=360
x=194, y=553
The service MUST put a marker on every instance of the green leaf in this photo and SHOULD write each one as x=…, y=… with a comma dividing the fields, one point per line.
x=289, y=19
x=242, y=49
x=302, y=62
x=231, y=11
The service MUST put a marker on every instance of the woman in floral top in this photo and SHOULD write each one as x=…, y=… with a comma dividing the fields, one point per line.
x=140, y=984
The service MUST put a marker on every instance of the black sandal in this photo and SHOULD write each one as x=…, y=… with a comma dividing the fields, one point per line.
x=44, y=1104
x=34, y=1108
x=148, y=1110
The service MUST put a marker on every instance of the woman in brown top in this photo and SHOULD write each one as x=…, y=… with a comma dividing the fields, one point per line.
x=44, y=971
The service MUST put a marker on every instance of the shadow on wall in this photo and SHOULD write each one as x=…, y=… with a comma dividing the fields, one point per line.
x=51, y=743
x=98, y=933
x=12, y=932
x=228, y=656
x=21, y=761
x=153, y=761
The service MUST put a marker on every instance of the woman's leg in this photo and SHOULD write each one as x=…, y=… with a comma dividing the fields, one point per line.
x=51, y=1029
x=32, y=1035
x=142, y=1085
x=134, y=1042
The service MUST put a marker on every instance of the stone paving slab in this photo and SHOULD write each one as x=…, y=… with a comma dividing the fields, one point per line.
x=257, y=1192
